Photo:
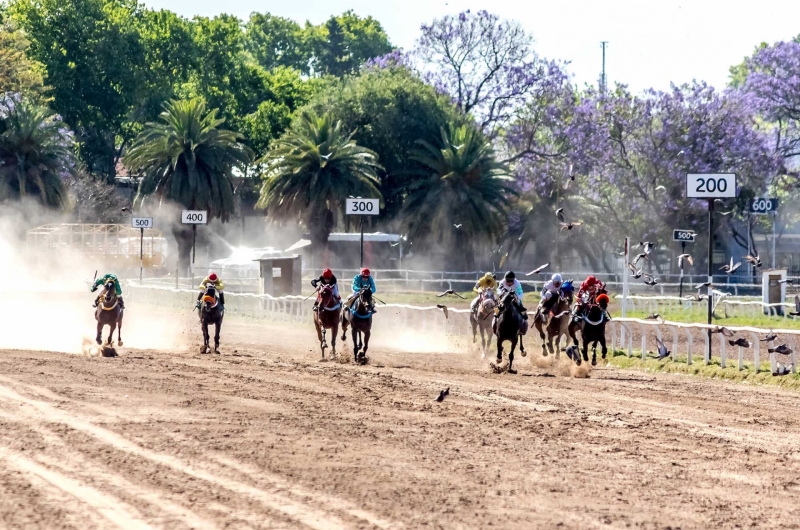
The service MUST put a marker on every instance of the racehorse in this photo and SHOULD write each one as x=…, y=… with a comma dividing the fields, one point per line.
x=481, y=319
x=592, y=325
x=509, y=326
x=211, y=313
x=109, y=313
x=557, y=325
x=327, y=317
x=359, y=318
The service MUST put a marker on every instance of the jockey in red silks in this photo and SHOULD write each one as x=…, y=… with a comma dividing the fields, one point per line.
x=587, y=293
x=327, y=278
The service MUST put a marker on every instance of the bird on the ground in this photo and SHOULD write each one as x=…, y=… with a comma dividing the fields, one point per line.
x=730, y=269
x=649, y=280
x=444, y=309
x=685, y=257
x=725, y=331
x=770, y=337
x=450, y=291
x=754, y=260
x=641, y=256
x=648, y=246
x=443, y=394
x=539, y=269
x=783, y=349
x=663, y=352
x=796, y=311
x=637, y=273
x=782, y=369
x=654, y=316
x=741, y=341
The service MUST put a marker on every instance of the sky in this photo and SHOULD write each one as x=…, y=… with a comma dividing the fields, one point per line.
x=651, y=43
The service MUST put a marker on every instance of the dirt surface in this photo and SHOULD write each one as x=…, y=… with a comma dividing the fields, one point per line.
x=265, y=436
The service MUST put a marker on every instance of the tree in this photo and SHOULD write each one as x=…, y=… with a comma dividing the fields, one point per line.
x=389, y=109
x=276, y=41
x=485, y=64
x=36, y=153
x=187, y=158
x=344, y=43
x=464, y=197
x=312, y=169
x=19, y=73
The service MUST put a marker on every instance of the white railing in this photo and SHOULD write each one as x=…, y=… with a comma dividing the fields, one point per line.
x=742, y=307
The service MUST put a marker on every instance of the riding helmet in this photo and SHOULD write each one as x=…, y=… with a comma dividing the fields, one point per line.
x=212, y=277
x=510, y=276
x=327, y=274
x=556, y=278
x=365, y=272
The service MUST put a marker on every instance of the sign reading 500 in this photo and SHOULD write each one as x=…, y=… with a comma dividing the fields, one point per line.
x=362, y=207
x=710, y=185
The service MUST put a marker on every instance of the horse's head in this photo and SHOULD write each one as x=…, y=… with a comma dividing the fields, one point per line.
x=210, y=295
x=602, y=301
x=109, y=292
x=366, y=295
x=488, y=299
x=326, y=295
x=507, y=301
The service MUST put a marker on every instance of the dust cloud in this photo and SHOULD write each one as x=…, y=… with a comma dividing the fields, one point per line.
x=48, y=305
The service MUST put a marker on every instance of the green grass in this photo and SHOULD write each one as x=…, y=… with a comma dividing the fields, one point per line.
x=416, y=298
x=759, y=321
x=731, y=372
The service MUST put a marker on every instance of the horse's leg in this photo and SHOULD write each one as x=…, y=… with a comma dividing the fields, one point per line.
x=474, y=323
x=603, y=344
x=204, y=325
x=99, y=337
x=217, y=328
x=112, y=327
x=344, y=326
x=483, y=342
x=119, y=329
x=335, y=330
x=355, y=343
x=499, y=350
x=367, y=333
x=511, y=354
x=320, y=333
x=594, y=353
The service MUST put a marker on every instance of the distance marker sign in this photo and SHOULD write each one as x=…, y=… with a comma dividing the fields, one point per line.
x=683, y=236
x=710, y=185
x=363, y=207
x=764, y=206
x=194, y=217
x=142, y=222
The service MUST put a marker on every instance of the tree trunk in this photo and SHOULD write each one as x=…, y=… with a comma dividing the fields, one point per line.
x=183, y=236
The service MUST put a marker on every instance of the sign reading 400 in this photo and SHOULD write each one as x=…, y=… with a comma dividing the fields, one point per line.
x=363, y=207
x=194, y=217
x=710, y=185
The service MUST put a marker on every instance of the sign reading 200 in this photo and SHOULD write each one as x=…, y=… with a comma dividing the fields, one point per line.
x=710, y=185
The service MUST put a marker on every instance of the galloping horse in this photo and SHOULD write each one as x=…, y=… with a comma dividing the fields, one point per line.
x=109, y=313
x=360, y=318
x=211, y=313
x=557, y=326
x=509, y=327
x=481, y=319
x=592, y=325
x=327, y=317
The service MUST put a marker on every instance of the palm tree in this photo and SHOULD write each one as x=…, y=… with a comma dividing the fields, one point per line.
x=462, y=197
x=36, y=153
x=187, y=158
x=312, y=169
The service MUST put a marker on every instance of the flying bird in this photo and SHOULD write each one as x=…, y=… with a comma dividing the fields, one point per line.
x=539, y=269
x=696, y=297
x=561, y=215
x=661, y=188
x=443, y=394
x=754, y=260
x=458, y=225
x=450, y=291
x=569, y=226
x=783, y=349
x=741, y=341
x=685, y=257
x=663, y=352
x=637, y=273
x=730, y=269
x=770, y=337
x=783, y=369
x=787, y=281
x=444, y=309
x=703, y=285
x=640, y=257
x=648, y=246
x=725, y=331
x=649, y=280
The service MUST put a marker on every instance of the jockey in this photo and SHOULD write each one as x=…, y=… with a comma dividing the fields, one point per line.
x=586, y=294
x=487, y=281
x=326, y=278
x=214, y=279
x=510, y=283
x=361, y=280
x=551, y=291
x=117, y=288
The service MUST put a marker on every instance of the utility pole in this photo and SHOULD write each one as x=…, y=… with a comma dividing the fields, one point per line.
x=603, y=84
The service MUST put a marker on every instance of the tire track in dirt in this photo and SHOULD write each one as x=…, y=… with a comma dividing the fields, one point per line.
x=303, y=513
x=115, y=512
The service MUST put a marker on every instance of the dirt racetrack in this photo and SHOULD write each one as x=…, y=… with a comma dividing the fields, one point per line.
x=265, y=436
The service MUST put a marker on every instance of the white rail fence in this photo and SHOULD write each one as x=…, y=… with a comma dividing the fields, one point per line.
x=689, y=341
x=744, y=306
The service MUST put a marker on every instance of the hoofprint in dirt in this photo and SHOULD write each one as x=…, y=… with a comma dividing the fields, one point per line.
x=264, y=436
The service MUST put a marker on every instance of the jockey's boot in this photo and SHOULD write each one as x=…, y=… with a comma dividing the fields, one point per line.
x=121, y=302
